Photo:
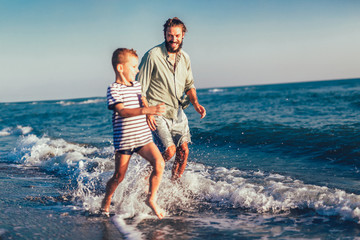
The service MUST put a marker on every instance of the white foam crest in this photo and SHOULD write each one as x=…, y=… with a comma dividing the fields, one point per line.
x=200, y=186
x=89, y=101
x=65, y=103
x=5, y=132
x=18, y=130
x=216, y=90
x=203, y=186
x=24, y=130
x=273, y=193
x=52, y=154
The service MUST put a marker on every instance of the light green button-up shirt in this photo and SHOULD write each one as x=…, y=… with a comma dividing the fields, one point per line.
x=161, y=83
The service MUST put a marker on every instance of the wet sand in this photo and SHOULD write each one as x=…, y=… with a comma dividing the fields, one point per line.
x=32, y=207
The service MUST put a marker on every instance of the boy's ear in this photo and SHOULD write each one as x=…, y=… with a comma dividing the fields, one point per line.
x=120, y=67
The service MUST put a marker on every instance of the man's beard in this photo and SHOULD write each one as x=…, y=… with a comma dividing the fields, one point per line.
x=170, y=49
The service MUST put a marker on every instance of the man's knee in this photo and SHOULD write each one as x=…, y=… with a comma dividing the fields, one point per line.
x=183, y=151
x=169, y=152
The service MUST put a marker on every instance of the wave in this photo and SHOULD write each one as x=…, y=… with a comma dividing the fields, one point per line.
x=201, y=187
x=330, y=144
x=216, y=90
x=18, y=130
x=90, y=101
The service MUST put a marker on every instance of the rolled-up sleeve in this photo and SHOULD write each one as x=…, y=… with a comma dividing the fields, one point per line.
x=189, y=82
x=145, y=72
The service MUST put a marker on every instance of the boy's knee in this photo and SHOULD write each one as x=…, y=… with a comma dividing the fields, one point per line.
x=117, y=178
x=160, y=166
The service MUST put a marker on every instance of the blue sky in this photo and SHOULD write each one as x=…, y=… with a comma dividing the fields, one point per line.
x=62, y=49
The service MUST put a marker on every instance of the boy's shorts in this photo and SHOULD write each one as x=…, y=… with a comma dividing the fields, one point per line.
x=129, y=151
x=171, y=132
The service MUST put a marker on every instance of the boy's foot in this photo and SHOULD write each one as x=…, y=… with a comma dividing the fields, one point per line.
x=156, y=209
x=105, y=206
x=105, y=213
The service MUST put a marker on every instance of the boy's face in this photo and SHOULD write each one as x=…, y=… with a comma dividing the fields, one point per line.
x=130, y=68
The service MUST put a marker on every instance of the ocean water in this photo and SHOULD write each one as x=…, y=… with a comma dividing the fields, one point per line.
x=267, y=162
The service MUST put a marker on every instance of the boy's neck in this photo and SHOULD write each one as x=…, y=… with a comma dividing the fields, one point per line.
x=123, y=81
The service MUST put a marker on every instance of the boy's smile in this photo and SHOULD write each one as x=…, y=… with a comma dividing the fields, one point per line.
x=130, y=69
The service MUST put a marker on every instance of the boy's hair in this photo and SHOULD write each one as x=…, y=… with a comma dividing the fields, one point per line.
x=120, y=56
x=174, y=22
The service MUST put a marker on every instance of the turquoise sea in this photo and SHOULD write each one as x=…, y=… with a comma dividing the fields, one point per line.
x=267, y=162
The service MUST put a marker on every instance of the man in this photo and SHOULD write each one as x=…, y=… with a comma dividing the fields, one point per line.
x=166, y=76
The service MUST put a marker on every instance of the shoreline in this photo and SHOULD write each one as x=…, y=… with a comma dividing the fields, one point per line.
x=30, y=209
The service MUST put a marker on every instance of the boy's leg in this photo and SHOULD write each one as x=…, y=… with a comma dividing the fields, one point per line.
x=152, y=154
x=121, y=165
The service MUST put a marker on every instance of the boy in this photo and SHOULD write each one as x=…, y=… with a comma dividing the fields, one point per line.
x=131, y=132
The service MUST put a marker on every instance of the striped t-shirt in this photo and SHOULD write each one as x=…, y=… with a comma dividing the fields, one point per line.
x=130, y=132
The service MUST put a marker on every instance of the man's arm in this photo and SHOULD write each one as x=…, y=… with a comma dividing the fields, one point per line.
x=145, y=72
x=150, y=118
x=194, y=100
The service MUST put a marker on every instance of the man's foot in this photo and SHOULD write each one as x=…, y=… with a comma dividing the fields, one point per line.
x=156, y=209
x=175, y=178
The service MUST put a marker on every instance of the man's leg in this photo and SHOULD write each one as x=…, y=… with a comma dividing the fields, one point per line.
x=152, y=154
x=169, y=153
x=179, y=166
x=121, y=165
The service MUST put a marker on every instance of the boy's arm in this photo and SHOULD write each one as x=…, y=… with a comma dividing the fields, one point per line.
x=132, y=112
x=194, y=100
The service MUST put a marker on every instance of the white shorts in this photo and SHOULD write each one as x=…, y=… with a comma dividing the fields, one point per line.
x=171, y=132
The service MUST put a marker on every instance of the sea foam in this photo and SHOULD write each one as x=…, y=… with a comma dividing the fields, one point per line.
x=18, y=130
x=200, y=187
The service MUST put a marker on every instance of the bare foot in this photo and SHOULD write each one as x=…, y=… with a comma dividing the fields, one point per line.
x=105, y=206
x=156, y=209
x=176, y=178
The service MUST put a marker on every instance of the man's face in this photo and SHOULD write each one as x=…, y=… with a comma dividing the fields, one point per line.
x=130, y=68
x=174, y=38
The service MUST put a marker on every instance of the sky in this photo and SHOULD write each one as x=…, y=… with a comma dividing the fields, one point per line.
x=61, y=49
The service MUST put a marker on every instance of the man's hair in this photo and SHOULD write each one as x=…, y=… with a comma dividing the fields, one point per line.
x=120, y=56
x=174, y=22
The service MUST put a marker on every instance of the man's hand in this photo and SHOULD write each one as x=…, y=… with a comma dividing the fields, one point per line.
x=201, y=110
x=193, y=99
x=151, y=122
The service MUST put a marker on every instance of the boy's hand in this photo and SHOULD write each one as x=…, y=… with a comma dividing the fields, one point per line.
x=156, y=110
x=159, y=109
